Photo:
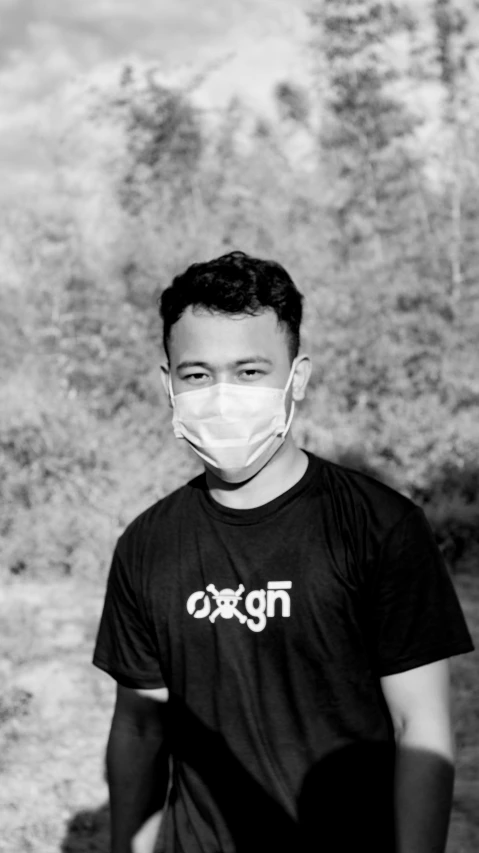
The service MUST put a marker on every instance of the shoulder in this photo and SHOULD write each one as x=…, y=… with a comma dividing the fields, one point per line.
x=364, y=498
x=157, y=519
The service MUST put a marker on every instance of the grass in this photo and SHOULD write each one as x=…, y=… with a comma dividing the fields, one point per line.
x=56, y=708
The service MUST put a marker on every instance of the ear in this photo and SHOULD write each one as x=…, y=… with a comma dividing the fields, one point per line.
x=165, y=379
x=302, y=372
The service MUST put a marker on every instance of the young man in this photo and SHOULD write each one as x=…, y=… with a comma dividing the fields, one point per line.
x=279, y=627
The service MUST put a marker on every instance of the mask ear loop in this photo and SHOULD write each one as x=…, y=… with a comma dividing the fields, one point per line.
x=290, y=377
x=291, y=413
x=170, y=391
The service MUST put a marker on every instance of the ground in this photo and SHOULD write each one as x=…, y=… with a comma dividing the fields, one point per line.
x=55, y=711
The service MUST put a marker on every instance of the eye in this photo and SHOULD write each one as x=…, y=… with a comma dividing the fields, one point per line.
x=251, y=374
x=195, y=378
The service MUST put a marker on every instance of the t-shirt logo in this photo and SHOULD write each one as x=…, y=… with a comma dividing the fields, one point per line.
x=260, y=604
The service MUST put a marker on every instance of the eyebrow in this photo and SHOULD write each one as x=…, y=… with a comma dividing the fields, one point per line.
x=254, y=359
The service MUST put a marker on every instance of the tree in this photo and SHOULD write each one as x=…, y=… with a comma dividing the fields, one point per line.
x=454, y=45
x=162, y=136
x=367, y=131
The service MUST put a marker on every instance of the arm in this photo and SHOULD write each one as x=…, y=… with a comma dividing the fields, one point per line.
x=419, y=704
x=137, y=768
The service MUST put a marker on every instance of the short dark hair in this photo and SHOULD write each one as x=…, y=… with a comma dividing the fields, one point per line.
x=235, y=283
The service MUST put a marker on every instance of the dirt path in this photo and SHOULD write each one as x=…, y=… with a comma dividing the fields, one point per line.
x=55, y=710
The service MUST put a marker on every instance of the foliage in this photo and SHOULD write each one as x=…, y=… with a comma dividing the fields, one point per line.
x=366, y=234
x=163, y=137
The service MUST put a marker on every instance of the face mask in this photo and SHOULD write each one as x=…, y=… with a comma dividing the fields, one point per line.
x=235, y=429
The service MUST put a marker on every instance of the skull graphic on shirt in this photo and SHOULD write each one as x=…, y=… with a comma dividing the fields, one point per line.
x=227, y=601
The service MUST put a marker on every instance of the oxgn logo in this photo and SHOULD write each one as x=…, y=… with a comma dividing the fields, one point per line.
x=259, y=604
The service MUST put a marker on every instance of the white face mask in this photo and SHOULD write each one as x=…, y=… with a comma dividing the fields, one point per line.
x=235, y=429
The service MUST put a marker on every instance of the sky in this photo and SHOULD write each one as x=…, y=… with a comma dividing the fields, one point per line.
x=46, y=45
x=46, y=42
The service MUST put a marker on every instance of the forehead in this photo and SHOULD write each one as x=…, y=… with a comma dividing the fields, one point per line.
x=214, y=337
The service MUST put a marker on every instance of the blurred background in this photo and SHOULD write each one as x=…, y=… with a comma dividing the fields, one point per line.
x=340, y=138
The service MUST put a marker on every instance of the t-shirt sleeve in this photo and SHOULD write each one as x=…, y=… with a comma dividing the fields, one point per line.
x=125, y=648
x=416, y=614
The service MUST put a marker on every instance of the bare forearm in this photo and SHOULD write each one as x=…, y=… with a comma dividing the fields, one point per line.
x=424, y=779
x=137, y=767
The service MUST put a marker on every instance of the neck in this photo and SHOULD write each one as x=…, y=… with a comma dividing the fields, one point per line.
x=281, y=473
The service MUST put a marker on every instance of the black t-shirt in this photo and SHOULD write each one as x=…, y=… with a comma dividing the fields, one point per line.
x=271, y=628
